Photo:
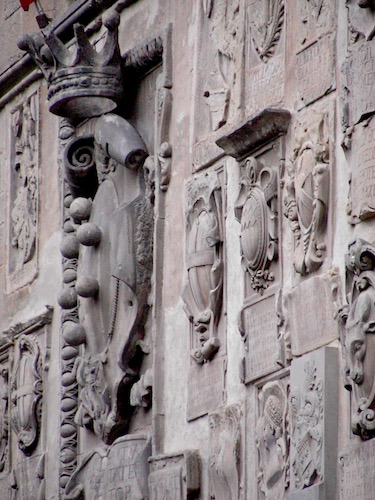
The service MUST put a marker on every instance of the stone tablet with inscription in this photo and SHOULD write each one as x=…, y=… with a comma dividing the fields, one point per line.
x=361, y=155
x=313, y=425
x=311, y=310
x=259, y=323
x=174, y=477
x=357, y=472
x=120, y=471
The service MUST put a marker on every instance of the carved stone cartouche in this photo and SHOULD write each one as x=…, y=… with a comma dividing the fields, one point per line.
x=203, y=292
x=358, y=319
x=256, y=210
x=113, y=271
x=306, y=203
x=83, y=83
x=26, y=393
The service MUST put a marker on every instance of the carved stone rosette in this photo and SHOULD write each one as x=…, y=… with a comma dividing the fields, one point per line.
x=306, y=429
x=358, y=339
x=202, y=294
x=272, y=440
x=256, y=210
x=26, y=393
x=306, y=202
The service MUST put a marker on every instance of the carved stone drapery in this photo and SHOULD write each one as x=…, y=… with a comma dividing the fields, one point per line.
x=256, y=210
x=272, y=440
x=358, y=319
x=306, y=203
x=203, y=292
x=26, y=393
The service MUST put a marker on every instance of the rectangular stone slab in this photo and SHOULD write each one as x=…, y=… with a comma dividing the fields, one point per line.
x=357, y=472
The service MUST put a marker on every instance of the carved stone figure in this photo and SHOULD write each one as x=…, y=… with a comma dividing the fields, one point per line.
x=4, y=418
x=26, y=393
x=24, y=182
x=256, y=210
x=272, y=440
x=203, y=292
x=306, y=203
x=265, y=22
x=225, y=460
x=307, y=429
x=358, y=318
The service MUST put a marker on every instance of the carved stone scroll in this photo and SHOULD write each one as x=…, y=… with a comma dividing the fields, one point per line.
x=272, y=440
x=175, y=476
x=202, y=294
x=24, y=182
x=308, y=189
x=313, y=425
x=358, y=319
x=26, y=393
x=226, y=462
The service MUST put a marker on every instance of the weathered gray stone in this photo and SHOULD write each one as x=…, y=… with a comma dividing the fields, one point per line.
x=357, y=478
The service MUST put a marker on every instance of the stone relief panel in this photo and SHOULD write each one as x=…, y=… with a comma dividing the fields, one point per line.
x=264, y=54
x=120, y=471
x=307, y=189
x=313, y=424
x=175, y=476
x=218, y=58
x=4, y=410
x=317, y=295
x=361, y=158
x=226, y=460
x=26, y=386
x=23, y=192
x=203, y=292
x=272, y=440
x=357, y=479
x=357, y=339
x=27, y=479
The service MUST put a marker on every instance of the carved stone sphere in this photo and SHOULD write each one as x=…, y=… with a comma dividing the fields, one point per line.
x=80, y=209
x=69, y=275
x=74, y=334
x=70, y=246
x=89, y=234
x=87, y=287
x=67, y=298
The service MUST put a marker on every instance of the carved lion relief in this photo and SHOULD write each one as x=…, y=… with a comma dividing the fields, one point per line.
x=306, y=202
x=26, y=393
x=256, y=210
x=358, y=319
x=307, y=428
x=272, y=440
x=203, y=292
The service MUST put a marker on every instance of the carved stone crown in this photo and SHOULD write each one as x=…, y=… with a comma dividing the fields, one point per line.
x=82, y=82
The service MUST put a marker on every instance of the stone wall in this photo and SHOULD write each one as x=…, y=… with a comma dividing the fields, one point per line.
x=187, y=250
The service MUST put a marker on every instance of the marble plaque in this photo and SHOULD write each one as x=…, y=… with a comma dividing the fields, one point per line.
x=206, y=387
x=357, y=472
x=226, y=464
x=361, y=157
x=259, y=323
x=358, y=89
x=313, y=424
x=310, y=300
x=120, y=471
x=315, y=70
x=174, y=477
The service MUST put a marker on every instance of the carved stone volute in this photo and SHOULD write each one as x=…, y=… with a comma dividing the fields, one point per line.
x=358, y=336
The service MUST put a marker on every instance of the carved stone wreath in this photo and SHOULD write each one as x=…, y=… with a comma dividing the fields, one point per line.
x=266, y=22
x=26, y=393
x=256, y=210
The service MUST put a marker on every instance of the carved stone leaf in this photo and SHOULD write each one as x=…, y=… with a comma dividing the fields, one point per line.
x=266, y=26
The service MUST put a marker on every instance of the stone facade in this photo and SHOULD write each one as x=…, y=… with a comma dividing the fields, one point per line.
x=187, y=250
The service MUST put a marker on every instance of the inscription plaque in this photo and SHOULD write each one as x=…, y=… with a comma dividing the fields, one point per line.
x=315, y=71
x=174, y=477
x=309, y=300
x=362, y=161
x=359, y=82
x=357, y=472
x=120, y=471
x=206, y=387
x=259, y=324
